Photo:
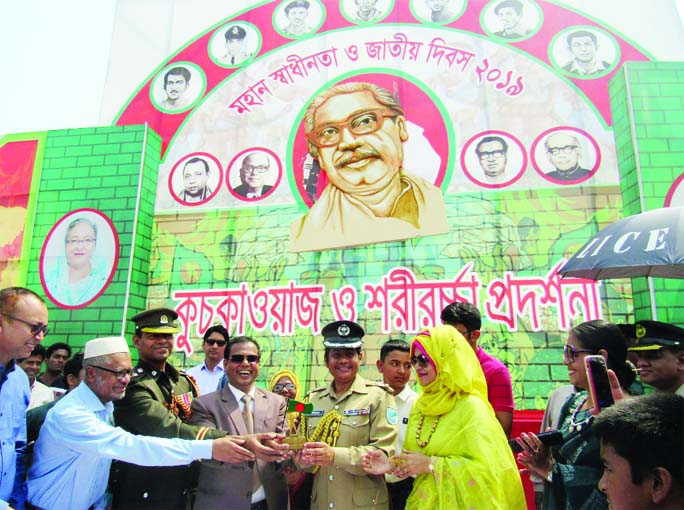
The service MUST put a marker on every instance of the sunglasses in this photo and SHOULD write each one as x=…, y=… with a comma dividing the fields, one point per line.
x=239, y=358
x=35, y=328
x=570, y=353
x=420, y=360
x=220, y=343
x=280, y=387
x=119, y=374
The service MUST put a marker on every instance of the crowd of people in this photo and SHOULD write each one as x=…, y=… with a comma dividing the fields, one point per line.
x=151, y=436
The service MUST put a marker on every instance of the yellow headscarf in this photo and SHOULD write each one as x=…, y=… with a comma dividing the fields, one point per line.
x=292, y=418
x=290, y=375
x=458, y=370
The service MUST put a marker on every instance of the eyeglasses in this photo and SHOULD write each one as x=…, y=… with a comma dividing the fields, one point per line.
x=491, y=154
x=239, y=358
x=570, y=353
x=36, y=328
x=119, y=374
x=566, y=149
x=280, y=387
x=420, y=360
x=358, y=123
x=220, y=343
x=259, y=169
x=74, y=242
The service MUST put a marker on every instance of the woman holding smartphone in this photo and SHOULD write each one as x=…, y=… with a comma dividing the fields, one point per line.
x=573, y=469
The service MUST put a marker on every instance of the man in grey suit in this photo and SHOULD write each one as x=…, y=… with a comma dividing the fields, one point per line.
x=241, y=407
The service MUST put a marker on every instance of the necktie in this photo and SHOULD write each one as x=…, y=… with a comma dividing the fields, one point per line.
x=249, y=423
x=247, y=413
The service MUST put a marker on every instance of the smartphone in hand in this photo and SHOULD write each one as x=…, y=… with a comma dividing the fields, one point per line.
x=549, y=438
x=599, y=384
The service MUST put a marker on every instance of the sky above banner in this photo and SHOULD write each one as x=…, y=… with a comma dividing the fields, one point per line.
x=56, y=54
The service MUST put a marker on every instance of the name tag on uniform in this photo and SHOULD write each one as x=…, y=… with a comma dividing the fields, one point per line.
x=319, y=412
x=364, y=411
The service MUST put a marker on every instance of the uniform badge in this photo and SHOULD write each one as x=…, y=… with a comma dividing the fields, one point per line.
x=640, y=331
x=392, y=416
x=364, y=411
x=343, y=330
x=163, y=319
x=316, y=413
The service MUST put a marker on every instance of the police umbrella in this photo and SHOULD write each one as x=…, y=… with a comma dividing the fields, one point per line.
x=646, y=244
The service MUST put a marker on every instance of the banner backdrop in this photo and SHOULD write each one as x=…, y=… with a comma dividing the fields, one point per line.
x=375, y=161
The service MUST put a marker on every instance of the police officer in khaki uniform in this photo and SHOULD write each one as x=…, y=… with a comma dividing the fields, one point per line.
x=366, y=419
x=157, y=403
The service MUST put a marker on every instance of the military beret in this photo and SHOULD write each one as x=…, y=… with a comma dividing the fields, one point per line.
x=343, y=334
x=654, y=335
x=157, y=320
x=235, y=32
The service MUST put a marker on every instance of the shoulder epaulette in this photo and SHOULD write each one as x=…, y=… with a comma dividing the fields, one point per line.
x=382, y=385
x=315, y=390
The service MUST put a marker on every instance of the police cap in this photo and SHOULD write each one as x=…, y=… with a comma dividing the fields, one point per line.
x=235, y=32
x=343, y=335
x=654, y=335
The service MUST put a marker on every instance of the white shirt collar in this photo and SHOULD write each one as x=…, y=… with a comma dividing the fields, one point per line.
x=405, y=394
x=239, y=393
x=218, y=367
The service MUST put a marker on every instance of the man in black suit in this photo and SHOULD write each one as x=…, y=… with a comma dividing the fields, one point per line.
x=254, y=167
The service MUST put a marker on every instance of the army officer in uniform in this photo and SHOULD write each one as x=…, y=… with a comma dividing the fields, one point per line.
x=359, y=416
x=157, y=403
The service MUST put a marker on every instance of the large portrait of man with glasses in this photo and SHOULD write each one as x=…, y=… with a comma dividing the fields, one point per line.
x=356, y=131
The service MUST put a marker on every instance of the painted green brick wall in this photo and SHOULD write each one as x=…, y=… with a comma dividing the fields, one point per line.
x=222, y=249
x=647, y=102
x=113, y=170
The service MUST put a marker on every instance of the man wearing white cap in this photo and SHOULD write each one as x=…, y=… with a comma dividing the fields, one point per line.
x=78, y=440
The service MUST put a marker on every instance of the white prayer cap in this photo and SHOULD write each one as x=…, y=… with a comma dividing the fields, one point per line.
x=104, y=346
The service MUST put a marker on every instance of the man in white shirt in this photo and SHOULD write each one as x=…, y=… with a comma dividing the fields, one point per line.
x=40, y=393
x=395, y=366
x=208, y=373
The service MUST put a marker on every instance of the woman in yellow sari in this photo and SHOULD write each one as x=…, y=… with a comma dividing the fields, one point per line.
x=454, y=444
